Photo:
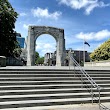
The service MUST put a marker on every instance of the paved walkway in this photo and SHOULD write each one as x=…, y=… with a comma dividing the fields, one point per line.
x=64, y=107
x=53, y=67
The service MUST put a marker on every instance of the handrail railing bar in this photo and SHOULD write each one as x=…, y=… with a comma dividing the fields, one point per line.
x=101, y=105
x=81, y=68
x=85, y=74
x=99, y=98
x=93, y=83
x=88, y=78
x=104, y=107
x=85, y=83
x=88, y=88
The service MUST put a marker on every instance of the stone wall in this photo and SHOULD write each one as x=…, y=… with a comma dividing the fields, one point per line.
x=10, y=61
x=98, y=63
x=2, y=61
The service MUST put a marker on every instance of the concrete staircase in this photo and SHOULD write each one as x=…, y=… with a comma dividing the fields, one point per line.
x=37, y=88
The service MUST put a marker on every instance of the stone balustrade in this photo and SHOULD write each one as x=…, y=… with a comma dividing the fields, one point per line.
x=98, y=63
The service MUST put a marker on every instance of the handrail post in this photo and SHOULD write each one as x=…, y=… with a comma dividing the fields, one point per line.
x=92, y=93
x=69, y=57
x=69, y=63
x=81, y=81
x=74, y=70
x=99, y=97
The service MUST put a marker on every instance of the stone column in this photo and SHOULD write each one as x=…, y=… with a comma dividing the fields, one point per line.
x=30, y=47
x=58, y=54
x=44, y=58
x=60, y=50
x=71, y=63
x=64, y=52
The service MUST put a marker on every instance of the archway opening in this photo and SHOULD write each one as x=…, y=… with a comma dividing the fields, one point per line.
x=46, y=47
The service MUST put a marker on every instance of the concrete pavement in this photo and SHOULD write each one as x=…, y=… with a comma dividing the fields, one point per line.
x=65, y=107
x=55, y=67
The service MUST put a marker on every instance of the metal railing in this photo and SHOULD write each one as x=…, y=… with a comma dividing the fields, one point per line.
x=85, y=79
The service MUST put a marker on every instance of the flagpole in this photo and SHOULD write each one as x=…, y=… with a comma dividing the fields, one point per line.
x=84, y=50
x=79, y=57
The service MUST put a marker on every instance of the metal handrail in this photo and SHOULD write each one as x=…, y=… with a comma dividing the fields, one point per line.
x=92, y=82
x=86, y=74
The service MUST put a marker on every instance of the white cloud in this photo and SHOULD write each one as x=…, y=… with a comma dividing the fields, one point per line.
x=98, y=4
x=43, y=48
x=94, y=35
x=90, y=8
x=44, y=13
x=87, y=5
x=25, y=26
x=23, y=14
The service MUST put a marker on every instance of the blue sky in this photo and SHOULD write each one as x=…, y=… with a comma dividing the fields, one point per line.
x=80, y=19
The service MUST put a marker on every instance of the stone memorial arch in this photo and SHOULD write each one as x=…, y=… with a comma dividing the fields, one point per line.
x=34, y=32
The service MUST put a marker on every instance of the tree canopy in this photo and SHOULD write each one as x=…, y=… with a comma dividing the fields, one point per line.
x=102, y=52
x=17, y=51
x=7, y=24
x=38, y=59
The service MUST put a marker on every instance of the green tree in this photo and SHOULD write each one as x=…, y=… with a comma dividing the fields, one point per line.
x=41, y=60
x=36, y=56
x=7, y=24
x=38, y=59
x=102, y=52
x=17, y=51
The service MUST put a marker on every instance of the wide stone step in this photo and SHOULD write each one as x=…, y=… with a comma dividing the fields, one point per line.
x=51, y=71
x=48, y=102
x=52, y=81
x=29, y=88
x=51, y=75
x=51, y=86
x=39, y=103
x=53, y=94
x=97, y=75
x=95, y=71
x=34, y=72
x=43, y=96
x=8, y=91
x=47, y=91
x=53, y=90
x=37, y=75
x=50, y=96
x=44, y=82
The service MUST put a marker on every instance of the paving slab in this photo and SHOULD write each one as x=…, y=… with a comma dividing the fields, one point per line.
x=93, y=106
x=62, y=107
x=55, y=67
